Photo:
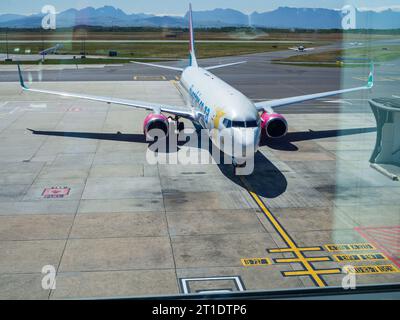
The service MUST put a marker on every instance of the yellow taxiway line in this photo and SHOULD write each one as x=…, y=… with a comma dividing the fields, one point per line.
x=297, y=251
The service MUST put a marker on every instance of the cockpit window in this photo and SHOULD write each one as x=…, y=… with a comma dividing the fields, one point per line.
x=252, y=124
x=227, y=123
x=240, y=124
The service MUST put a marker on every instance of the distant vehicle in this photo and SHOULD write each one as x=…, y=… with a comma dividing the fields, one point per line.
x=356, y=43
x=301, y=49
x=52, y=50
x=214, y=105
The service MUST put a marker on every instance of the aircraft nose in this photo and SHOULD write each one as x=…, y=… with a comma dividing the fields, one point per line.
x=247, y=141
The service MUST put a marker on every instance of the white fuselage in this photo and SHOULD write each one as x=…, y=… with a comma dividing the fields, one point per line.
x=223, y=110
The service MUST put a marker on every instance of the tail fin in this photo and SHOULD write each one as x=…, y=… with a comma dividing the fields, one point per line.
x=192, y=58
x=21, y=78
x=371, y=76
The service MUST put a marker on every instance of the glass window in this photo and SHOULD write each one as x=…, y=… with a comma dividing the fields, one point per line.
x=239, y=124
x=331, y=182
x=227, y=123
x=252, y=124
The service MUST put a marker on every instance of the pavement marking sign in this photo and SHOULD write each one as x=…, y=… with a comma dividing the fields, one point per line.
x=55, y=192
x=252, y=262
x=386, y=240
x=349, y=247
x=378, y=269
x=359, y=257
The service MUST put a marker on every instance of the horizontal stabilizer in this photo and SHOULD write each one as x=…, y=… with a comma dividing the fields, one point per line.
x=224, y=65
x=159, y=66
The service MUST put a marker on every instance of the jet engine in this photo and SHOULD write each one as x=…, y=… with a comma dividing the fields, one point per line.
x=155, y=121
x=274, y=125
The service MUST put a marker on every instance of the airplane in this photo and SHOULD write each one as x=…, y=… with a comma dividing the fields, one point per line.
x=301, y=49
x=213, y=105
x=52, y=50
x=356, y=43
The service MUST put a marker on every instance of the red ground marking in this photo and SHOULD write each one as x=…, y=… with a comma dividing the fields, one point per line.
x=74, y=109
x=385, y=239
x=56, y=192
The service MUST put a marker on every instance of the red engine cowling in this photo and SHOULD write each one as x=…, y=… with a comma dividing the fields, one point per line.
x=274, y=125
x=153, y=122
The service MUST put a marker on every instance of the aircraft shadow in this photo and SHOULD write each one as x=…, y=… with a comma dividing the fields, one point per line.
x=118, y=136
x=138, y=138
x=286, y=143
x=266, y=180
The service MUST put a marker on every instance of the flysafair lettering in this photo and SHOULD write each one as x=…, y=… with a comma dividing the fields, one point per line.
x=198, y=103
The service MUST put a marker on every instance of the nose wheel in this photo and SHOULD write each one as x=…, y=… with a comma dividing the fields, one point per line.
x=237, y=166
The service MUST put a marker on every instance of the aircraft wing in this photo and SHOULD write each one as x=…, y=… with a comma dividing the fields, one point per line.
x=269, y=105
x=294, y=49
x=155, y=107
x=309, y=49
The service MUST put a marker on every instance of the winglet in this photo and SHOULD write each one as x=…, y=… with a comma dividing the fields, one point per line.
x=370, y=84
x=21, y=79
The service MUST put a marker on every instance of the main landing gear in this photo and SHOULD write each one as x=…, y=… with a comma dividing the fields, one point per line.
x=180, y=126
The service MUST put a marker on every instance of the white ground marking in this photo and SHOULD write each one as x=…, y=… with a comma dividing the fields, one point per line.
x=38, y=106
x=17, y=109
x=2, y=115
x=14, y=110
x=340, y=101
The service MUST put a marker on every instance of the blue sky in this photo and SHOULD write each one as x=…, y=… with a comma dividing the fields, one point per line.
x=179, y=7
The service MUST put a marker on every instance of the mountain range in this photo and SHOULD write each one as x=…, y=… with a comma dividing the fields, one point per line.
x=282, y=17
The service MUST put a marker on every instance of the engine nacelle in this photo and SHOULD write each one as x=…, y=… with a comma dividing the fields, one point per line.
x=155, y=121
x=274, y=125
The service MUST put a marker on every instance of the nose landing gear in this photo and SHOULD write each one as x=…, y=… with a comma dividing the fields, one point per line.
x=237, y=166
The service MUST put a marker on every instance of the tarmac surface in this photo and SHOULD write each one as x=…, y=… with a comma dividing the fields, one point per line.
x=77, y=191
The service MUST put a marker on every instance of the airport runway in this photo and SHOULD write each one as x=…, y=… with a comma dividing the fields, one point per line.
x=77, y=192
x=259, y=79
